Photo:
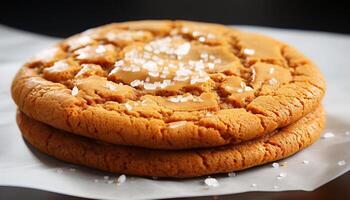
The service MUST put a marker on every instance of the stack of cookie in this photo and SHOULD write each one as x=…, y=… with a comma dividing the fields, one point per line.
x=169, y=99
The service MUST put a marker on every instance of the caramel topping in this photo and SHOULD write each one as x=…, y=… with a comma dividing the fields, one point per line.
x=171, y=61
x=47, y=57
x=61, y=70
x=97, y=54
x=239, y=92
x=79, y=41
x=260, y=48
x=269, y=74
x=235, y=85
x=181, y=66
x=158, y=27
x=90, y=69
x=124, y=37
x=212, y=34
x=206, y=101
x=96, y=89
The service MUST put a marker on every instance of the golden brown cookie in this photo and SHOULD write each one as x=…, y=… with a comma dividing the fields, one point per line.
x=168, y=85
x=172, y=163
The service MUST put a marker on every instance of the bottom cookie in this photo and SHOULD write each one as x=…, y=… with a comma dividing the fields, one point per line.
x=172, y=163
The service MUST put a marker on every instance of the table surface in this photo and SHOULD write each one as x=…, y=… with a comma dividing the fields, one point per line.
x=336, y=189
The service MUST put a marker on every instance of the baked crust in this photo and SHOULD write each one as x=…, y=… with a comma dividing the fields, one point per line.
x=172, y=163
x=234, y=86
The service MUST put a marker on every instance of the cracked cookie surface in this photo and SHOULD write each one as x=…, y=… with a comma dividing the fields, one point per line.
x=168, y=85
x=172, y=163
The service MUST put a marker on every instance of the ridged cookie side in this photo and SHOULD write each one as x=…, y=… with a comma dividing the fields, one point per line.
x=170, y=163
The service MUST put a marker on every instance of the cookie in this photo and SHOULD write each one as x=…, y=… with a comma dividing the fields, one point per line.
x=168, y=85
x=172, y=163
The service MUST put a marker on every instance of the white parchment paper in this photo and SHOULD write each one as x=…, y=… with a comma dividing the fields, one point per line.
x=20, y=165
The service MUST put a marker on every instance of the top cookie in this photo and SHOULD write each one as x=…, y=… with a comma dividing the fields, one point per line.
x=168, y=85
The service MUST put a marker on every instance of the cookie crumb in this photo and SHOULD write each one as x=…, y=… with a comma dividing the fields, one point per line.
x=328, y=135
x=341, y=162
x=232, y=174
x=155, y=177
x=211, y=182
x=275, y=165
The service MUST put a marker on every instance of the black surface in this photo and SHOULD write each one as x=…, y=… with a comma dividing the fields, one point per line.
x=63, y=18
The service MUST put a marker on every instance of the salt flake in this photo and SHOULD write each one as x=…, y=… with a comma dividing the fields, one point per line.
x=211, y=182
x=232, y=174
x=275, y=165
x=281, y=175
x=121, y=179
x=201, y=39
x=341, y=162
x=100, y=49
x=328, y=135
x=128, y=106
x=75, y=91
x=273, y=81
x=183, y=49
x=249, y=51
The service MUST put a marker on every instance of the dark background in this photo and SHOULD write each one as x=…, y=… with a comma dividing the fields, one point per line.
x=63, y=18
